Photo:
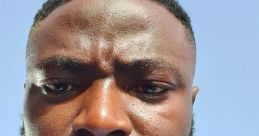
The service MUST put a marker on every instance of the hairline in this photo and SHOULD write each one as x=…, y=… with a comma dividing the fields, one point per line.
x=185, y=21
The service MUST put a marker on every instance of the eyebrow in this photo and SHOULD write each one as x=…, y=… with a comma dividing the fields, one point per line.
x=148, y=66
x=64, y=63
x=141, y=66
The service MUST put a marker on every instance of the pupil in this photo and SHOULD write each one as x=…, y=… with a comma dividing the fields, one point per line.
x=149, y=89
x=59, y=87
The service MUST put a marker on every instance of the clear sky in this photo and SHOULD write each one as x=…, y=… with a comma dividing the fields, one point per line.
x=227, y=35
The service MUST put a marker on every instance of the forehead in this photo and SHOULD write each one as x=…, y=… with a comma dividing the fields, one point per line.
x=97, y=16
x=112, y=29
x=110, y=17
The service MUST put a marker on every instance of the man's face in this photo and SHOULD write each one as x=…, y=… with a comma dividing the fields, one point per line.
x=114, y=67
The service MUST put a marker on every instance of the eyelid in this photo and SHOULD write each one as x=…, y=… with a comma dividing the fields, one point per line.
x=158, y=83
x=51, y=81
x=56, y=80
x=51, y=95
x=152, y=97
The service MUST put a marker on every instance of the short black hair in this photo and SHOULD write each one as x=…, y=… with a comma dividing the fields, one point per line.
x=171, y=5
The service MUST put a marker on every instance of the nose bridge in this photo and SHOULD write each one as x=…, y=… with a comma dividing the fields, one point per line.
x=104, y=104
x=103, y=112
x=103, y=53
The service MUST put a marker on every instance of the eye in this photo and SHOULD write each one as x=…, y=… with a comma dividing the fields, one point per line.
x=55, y=88
x=152, y=91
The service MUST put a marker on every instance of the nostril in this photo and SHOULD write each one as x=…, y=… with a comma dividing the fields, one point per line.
x=83, y=132
x=117, y=133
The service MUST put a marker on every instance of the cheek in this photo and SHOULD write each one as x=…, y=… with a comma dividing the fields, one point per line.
x=170, y=118
x=178, y=111
x=49, y=119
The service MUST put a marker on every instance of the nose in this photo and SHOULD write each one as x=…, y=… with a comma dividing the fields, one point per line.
x=103, y=113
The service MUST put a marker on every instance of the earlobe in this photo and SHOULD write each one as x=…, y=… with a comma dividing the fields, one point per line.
x=195, y=90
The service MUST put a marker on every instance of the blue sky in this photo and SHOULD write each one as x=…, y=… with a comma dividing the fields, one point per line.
x=227, y=36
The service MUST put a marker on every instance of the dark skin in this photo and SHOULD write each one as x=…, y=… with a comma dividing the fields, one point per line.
x=103, y=68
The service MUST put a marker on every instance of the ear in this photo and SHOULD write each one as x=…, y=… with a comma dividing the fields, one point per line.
x=25, y=85
x=195, y=90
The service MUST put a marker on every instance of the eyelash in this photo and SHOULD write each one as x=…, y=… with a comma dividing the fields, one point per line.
x=152, y=91
x=58, y=88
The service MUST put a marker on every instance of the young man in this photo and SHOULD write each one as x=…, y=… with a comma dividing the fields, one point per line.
x=110, y=68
